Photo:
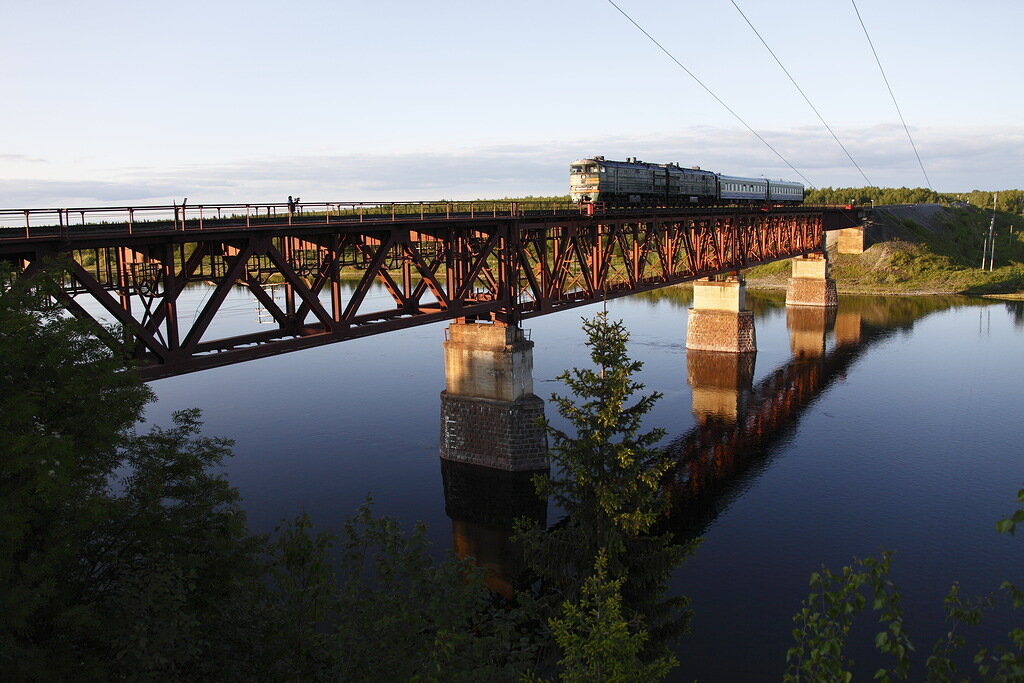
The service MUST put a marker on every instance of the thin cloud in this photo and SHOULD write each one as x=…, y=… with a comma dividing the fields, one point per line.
x=30, y=193
x=957, y=159
x=21, y=158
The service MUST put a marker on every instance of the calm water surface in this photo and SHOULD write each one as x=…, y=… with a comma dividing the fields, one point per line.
x=903, y=431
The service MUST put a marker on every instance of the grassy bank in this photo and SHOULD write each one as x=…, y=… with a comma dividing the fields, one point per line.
x=933, y=250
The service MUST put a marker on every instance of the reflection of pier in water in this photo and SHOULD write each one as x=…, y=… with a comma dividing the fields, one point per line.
x=483, y=504
x=739, y=424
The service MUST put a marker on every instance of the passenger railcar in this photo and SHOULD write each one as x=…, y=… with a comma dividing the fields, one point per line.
x=733, y=189
x=785, y=192
x=638, y=183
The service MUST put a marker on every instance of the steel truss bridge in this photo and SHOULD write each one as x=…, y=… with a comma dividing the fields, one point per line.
x=497, y=261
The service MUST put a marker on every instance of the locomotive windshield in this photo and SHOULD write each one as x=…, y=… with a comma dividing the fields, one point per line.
x=579, y=168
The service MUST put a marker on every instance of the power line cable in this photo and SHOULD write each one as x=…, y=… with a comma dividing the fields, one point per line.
x=895, y=103
x=709, y=91
x=802, y=93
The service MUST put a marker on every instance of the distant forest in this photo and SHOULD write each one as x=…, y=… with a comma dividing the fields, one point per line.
x=1011, y=201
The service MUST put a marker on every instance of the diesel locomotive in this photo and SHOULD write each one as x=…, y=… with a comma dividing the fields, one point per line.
x=638, y=183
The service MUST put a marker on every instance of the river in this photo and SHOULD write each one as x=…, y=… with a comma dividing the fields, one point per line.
x=905, y=434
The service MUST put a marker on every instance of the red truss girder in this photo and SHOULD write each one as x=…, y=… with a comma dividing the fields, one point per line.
x=500, y=269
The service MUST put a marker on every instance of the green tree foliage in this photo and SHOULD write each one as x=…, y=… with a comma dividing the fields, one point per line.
x=613, y=472
x=171, y=566
x=126, y=556
x=824, y=621
x=880, y=195
x=63, y=412
x=121, y=552
x=374, y=605
x=595, y=638
x=608, y=482
x=1010, y=201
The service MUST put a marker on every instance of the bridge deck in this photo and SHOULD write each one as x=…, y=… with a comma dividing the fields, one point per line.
x=72, y=223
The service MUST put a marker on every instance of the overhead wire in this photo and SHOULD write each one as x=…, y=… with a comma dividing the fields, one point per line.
x=893, y=96
x=710, y=92
x=802, y=93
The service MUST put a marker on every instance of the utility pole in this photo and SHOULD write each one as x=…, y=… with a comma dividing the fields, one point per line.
x=992, y=252
x=991, y=238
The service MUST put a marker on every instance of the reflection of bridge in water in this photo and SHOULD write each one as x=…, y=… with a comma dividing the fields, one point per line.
x=740, y=427
x=740, y=424
x=484, y=504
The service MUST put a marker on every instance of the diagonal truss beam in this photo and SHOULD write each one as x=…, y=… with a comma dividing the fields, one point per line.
x=501, y=270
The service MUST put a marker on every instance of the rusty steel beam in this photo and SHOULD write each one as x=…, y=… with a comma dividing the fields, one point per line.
x=502, y=268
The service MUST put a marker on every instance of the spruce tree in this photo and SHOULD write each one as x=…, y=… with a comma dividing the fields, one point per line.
x=608, y=480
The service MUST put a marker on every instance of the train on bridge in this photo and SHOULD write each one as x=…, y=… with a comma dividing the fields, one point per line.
x=638, y=183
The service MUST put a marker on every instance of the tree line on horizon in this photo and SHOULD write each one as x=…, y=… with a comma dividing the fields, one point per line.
x=1010, y=201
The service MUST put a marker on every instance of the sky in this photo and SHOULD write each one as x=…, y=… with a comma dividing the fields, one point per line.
x=134, y=103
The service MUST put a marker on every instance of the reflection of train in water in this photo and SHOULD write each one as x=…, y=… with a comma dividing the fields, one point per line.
x=638, y=183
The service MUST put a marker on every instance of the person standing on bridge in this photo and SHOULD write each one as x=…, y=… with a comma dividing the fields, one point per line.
x=291, y=205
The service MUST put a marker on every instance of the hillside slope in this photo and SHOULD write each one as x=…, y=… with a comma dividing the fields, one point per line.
x=924, y=248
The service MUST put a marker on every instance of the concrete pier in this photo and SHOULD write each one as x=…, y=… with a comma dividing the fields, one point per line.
x=810, y=284
x=850, y=240
x=489, y=413
x=719, y=320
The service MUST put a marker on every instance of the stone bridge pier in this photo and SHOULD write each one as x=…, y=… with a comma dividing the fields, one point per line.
x=719, y=319
x=810, y=284
x=720, y=349
x=489, y=413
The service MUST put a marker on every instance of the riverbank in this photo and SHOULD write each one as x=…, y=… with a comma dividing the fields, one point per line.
x=923, y=249
x=900, y=268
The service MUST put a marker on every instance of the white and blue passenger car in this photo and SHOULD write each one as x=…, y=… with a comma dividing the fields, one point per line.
x=736, y=189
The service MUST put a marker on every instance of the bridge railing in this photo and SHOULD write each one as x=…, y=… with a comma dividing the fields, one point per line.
x=50, y=222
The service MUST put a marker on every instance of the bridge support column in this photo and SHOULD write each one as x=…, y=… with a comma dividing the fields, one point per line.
x=489, y=413
x=719, y=383
x=810, y=284
x=719, y=320
x=850, y=240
